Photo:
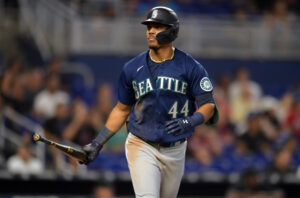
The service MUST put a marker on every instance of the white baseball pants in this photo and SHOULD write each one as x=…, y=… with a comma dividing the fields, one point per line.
x=155, y=172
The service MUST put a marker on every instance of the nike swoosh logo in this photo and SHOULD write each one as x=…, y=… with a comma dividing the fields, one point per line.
x=138, y=69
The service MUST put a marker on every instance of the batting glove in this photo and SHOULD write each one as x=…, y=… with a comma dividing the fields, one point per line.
x=92, y=151
x=182, y=125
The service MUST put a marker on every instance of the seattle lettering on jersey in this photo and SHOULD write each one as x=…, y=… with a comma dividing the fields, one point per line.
x=162, y=83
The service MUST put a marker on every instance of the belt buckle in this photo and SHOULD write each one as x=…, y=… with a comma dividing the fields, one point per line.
x=177, y=143
x=172, y=144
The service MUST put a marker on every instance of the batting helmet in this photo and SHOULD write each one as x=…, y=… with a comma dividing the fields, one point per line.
x=166, y=16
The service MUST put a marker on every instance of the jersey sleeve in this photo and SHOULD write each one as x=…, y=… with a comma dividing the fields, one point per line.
x=201, y=88
x=199, y=80
x=125, y=90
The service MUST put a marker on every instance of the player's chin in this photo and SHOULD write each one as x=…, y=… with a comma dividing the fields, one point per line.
x=153, y=46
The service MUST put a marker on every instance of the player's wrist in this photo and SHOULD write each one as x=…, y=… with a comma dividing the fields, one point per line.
x=196, y=119
x=103, y=136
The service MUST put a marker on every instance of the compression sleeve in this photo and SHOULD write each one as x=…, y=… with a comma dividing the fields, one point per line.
x=208, y=98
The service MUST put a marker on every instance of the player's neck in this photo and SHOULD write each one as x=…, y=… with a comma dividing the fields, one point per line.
x=162, y=54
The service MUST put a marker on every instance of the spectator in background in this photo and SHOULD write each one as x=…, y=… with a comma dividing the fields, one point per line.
x=104, y=190
x=88, y=130
x=55, y=125
x=244, y=97
x=104, y=105
x=279, y=20
x=269, y=121
x=105, y=100
x=23, y=163
x=14, y=96
x=12, y=88
x=278, y=16
x=254, y=139
x=221, y=94
x=205, y=145
x=243, y=79
x=11, y=72
x=107, y=9
x=46, y=101
x=64, y=127
x=54, y=66
x=130, y=7
x=53, y=128
x=33, y=84
x=292, y=123
x=292, y=144
x=242, y=9
x=285, y=104
x=79, y=115
x=281, y=167
x=250, y=185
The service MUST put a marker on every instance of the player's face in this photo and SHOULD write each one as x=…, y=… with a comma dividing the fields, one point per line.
x=152, y=30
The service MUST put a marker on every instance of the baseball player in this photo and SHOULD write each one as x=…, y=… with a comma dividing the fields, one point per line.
x=165, y=93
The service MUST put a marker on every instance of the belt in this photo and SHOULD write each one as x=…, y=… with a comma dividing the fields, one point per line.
x=165, y=144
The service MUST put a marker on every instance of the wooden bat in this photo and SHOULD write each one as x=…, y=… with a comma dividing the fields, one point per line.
x=70, y=151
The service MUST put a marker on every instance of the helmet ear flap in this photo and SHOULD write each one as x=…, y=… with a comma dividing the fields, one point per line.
x=168, y=35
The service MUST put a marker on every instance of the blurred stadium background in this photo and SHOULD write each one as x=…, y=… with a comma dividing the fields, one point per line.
x=60, y=61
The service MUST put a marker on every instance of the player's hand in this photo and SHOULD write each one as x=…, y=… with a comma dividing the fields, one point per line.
x=178, y=126
x=92, y=150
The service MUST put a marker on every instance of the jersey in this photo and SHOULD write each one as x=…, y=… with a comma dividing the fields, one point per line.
x=172, y=95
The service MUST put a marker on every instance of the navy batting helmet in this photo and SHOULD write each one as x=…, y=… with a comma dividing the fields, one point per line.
x=166, y=16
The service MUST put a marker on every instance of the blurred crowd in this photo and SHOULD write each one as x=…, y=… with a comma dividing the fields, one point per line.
x=257, y=136
x=238, y=8
x=41, y=96
x=281, y=10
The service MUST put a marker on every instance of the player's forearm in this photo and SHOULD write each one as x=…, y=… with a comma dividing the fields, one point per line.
x=117, y=117
x=207, y=111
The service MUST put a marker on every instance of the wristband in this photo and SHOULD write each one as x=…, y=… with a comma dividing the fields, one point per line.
x=104, y=135
x=196, y=119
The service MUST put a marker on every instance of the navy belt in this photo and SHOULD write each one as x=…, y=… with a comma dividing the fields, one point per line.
x=165, y=144
x=171, y=144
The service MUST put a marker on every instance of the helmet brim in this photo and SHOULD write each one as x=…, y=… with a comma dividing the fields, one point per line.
x=146, y=22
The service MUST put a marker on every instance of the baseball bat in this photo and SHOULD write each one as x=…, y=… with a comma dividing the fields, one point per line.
x=70, y=151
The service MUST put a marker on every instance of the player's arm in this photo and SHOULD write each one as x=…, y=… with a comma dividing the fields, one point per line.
x=117, y=117
x=207, y=106
x=115, y=121
x=207, y=110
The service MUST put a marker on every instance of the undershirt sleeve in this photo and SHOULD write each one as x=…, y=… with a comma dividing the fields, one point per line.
x=208, y=98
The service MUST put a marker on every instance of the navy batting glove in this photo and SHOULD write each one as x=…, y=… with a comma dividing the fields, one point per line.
x=181, y=125
x=92, y=151
x=178, y=126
